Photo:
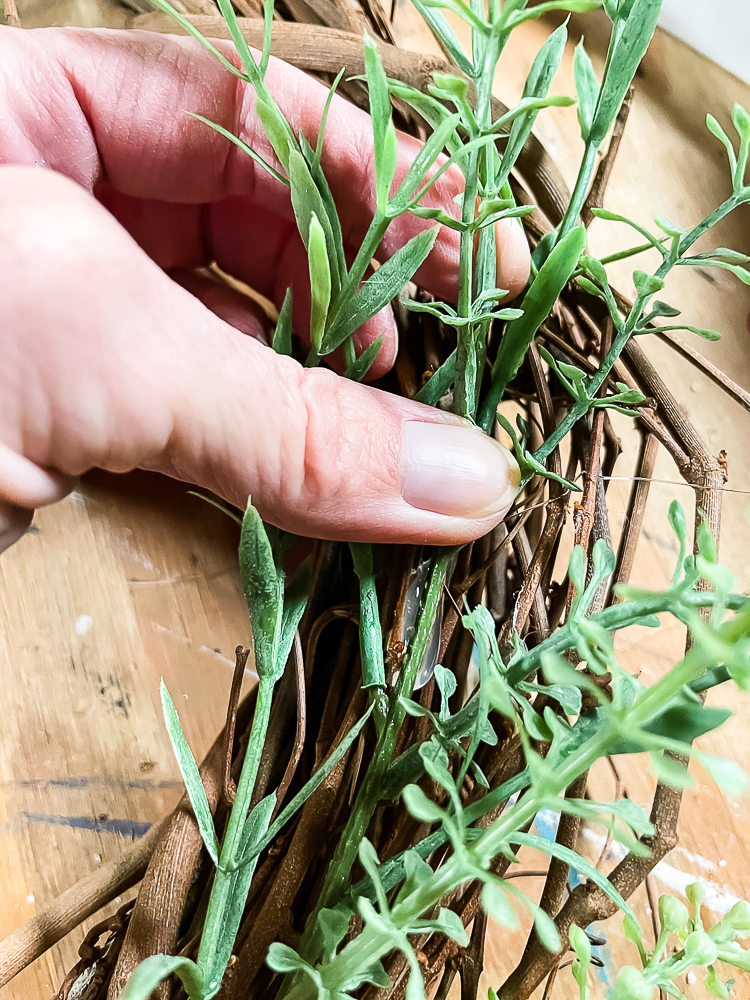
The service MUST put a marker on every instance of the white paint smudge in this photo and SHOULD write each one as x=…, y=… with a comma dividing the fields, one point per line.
x=719, y=898
x=83, y=624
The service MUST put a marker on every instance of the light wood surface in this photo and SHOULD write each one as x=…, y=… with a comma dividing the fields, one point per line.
x=130, y=579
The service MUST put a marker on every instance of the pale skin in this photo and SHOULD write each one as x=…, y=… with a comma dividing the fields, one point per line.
x=109, y=361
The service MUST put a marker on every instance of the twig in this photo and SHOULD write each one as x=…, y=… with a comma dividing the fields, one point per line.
x=472, y=963
x=299, y=735
x=604, y=172
x=229, y=789
x=637, y=507
x=717, y=376
x=75, y=905
x=11, y=14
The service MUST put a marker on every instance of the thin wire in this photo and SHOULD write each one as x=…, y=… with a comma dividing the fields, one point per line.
x=668, y=482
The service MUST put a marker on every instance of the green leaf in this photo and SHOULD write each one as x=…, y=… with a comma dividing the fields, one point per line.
x=671, y=772
x=224, y=933
x=587, y=88
x=715, y=129
x=332, y=925
x=307, y=201
x=428, y=107
x=384, y=134
x=446, y=682
x=295, y=602
x=420, y=806
x=252, y=850
x=155, y=969
x=439, y=383
x=537, y=84
x=240, y=42
x=725, y=254
x=462, y=10
x=687, y=721
x=191, y=29
x=527, y=104
x=662, y=309
x=631, y=38
x=447, y=37
x=647, y=284
x=715, y=986
x=449, y=923
x=320, y=281
x=422, y=163
x=537, y=304
x=580, y=944
x=632, y=985
x=282, y=335
x=673, y=914
x=263, y=586
x=324, y=117
x=546, y=931
x=357, y=370
x=368, y=858
x=574, y=6
x=190, y=775
x=370, y=632
x=495, y=902
x=380, y=288
x=740, y=272
x=741, y=120
x=281, y=958
x=243, y=146
x=581, y=865
x=730, y=777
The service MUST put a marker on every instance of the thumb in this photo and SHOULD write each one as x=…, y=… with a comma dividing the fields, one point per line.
x=327, y=457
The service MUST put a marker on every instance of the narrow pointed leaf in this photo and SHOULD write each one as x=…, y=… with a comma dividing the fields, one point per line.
x=282, y=335
x=357, y=370
x=155, y=969
x=320, y=281
x=581, y=865
x=537, y=304
x=253, y=850
x=587, y=87
x=263, y=587
x=370, y=632
x=244, y=147
x=445, y=35
x=380, y=288
x=190, y=775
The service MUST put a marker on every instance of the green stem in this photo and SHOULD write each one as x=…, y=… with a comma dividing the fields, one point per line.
x=629, y=326
x=373, y=944
x=613, y=619
x=337, y=877
x=229, y=857
x=580, y=192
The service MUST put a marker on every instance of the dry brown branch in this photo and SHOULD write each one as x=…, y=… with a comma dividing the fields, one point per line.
x=11, y=13
x=76, y=904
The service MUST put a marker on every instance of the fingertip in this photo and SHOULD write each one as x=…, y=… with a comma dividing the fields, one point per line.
x=513, y=256
x=25, y=484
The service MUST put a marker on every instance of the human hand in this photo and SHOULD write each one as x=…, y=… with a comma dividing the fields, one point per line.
x=109, y=362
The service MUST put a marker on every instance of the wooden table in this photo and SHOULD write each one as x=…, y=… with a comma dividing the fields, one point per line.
x=131, y=579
